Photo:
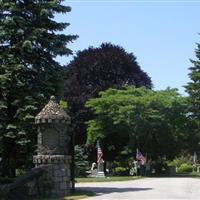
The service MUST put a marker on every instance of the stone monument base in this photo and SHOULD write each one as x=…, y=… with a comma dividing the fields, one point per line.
x=58, y=171
x=100, y=174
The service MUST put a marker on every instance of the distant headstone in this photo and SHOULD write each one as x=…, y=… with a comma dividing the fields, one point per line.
x=100, y=170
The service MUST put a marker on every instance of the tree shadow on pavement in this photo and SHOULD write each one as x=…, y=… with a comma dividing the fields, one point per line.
x=107, y=190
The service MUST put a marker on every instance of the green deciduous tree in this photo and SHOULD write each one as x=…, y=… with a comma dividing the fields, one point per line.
x=154, y=121
x=29, y=73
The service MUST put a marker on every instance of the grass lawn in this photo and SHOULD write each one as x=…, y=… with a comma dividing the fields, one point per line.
x=195, y=174
x=192, y=174
x=107, y=179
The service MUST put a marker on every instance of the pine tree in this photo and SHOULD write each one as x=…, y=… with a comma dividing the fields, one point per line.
x=30, y=41
x=193, y=89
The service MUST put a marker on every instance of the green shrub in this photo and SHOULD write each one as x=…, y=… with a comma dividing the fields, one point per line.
x=6, y=180
x=185, y=168
x=121, y=171
x=177, y=162
x=81, y=163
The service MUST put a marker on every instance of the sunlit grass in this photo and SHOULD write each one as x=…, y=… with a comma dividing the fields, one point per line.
x=107, y=179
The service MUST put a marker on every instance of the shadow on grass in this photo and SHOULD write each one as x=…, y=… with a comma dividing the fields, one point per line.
x=76, y=195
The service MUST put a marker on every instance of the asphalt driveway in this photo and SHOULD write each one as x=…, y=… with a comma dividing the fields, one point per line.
x=148, y=188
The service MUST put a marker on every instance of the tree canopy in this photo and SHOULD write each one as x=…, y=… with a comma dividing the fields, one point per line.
x=97, y=69
x=30, y=41
x=193, y=89
x=154, y=121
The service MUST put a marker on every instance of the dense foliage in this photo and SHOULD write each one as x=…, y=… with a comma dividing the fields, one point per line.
x=156, y=122
x=97, y=69
x=81, y=161
x=185, y=168
x=29, y=44
x=193, y=89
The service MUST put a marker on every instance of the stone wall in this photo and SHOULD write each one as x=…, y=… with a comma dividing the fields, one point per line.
x=58, y=170
x=60, y=180
x=50, y=178
x=35, y=183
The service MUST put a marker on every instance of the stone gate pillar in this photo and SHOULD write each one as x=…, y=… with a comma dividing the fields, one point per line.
x=52, y=148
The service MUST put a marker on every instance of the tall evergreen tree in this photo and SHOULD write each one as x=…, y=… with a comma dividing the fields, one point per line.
x=193, y=89
x=30, y=41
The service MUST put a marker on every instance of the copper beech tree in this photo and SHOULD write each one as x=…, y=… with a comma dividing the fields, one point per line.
x=97, y=69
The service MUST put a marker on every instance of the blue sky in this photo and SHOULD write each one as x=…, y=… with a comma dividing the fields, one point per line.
x=161, y=34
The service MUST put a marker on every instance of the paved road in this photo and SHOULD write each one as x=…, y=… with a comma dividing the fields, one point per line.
x=149, y=188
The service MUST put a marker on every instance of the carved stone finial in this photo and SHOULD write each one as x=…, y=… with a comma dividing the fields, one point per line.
x=53, y=98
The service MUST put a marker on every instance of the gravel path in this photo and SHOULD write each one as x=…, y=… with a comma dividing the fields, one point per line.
x=148, y=188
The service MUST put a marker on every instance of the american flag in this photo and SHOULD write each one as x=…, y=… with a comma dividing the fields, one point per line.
x=99, y=154
x=140, y=158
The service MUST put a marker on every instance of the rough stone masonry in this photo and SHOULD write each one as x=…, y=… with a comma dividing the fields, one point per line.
x=52, y=150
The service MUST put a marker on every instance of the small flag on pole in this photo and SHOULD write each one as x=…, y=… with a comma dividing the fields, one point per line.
x=99, y=154
x=195, y=158
x=140, y=158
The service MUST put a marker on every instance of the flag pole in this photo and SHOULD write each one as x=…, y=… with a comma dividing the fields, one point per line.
x=136, y=162
x=98, y=163
x=146, y=164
